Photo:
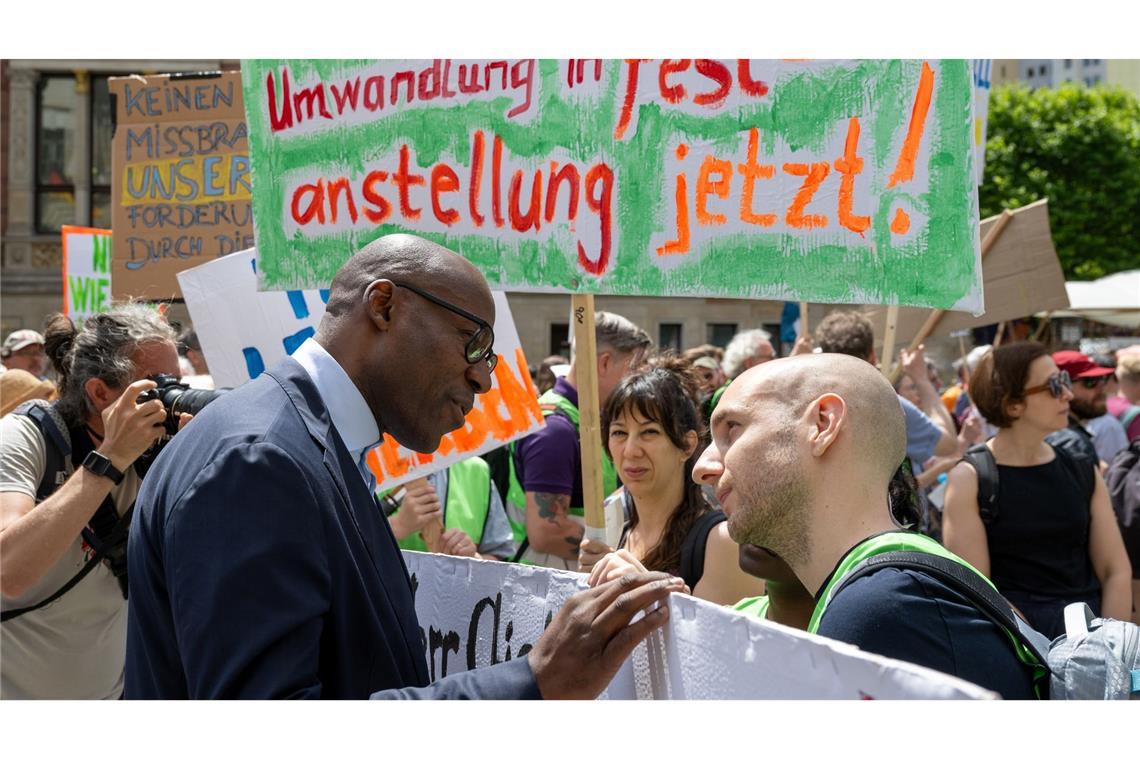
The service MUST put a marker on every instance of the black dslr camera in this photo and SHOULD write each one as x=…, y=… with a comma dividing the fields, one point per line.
x=178, y=397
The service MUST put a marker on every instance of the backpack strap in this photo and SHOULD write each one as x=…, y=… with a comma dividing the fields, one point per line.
x=965, y=581
x=57, y=444
x=106, y=532
x=1130, y=414
x=982, y=460
x=693, y=549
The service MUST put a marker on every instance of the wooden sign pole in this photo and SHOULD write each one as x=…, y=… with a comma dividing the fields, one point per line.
x=589, y=414
x=1000, y=334
x=936, y=315
x=431, y=532
x=987, y=244
x=886, y=360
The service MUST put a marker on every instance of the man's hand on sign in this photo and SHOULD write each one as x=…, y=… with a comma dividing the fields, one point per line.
x=591, y=636
x=803, y=345
x=456, y=543
x=130, y=428
x=589, y=552
x=617, y=564
x=419, y=507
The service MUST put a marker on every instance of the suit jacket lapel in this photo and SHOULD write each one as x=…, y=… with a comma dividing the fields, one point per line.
x=361, y=506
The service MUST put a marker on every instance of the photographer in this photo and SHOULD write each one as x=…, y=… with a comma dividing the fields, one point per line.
x=68, y=480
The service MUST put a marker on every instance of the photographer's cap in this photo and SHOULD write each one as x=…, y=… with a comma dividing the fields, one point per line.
x=20, y=339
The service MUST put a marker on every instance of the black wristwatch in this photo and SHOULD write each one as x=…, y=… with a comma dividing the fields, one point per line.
x=101, y=465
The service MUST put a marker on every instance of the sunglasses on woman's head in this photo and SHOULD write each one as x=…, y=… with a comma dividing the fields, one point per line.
x=1056, y=385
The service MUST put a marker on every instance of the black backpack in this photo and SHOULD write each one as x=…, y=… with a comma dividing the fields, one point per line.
x=1123, y=479
x=982, y=460
x=107, y=531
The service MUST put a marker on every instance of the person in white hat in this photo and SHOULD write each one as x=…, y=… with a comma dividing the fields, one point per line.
x=24, y=349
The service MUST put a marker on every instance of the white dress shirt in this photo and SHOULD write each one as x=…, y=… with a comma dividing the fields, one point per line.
x=350, y=414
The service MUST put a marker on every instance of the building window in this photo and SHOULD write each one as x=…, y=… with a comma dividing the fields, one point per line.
x=669, y=336
x=1068, y=63
x=1003, y=71
x=59, y=130
x=1029, y=73
x=720, y=333
x=56, y=151
x=1041, y=70
x=560, y=339
x=102, y=126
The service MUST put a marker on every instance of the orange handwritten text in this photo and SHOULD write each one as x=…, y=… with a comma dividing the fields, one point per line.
x=509, y=409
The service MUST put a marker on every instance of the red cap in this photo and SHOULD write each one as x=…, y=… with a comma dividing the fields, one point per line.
x=1079, y=365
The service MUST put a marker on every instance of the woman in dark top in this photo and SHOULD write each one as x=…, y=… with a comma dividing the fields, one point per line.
x=1054, y=538
x=651, y=429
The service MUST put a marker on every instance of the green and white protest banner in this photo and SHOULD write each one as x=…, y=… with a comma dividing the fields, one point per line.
x=475, y=613
x=86, y=271
x=826, y=181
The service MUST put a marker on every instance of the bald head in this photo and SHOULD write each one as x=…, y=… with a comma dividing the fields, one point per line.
x=405, y=259
x=404, y=317
x=876, y=426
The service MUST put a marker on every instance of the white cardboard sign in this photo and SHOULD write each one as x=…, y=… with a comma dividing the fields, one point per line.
x=475, y=613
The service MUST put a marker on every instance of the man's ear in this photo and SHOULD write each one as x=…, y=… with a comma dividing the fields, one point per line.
x=827, y=415
x=605, y=359
x=101, y=394
x=378, y=297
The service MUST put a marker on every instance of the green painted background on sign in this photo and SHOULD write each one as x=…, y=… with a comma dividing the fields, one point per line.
x=800, y=119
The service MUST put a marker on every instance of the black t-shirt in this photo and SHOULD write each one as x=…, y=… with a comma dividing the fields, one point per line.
x=910, y=616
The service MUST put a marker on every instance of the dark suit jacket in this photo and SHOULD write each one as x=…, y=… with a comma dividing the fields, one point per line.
x=260, y=566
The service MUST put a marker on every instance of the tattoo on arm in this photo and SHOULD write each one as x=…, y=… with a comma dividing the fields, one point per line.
x=552, y=506
x=574, y=543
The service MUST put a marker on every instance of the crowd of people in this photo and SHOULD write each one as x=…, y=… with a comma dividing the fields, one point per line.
x=261, y=560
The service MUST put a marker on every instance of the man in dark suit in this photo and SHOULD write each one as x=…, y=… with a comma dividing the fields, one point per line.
x=261, y=565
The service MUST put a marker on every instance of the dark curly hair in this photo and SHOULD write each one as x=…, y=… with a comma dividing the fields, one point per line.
x=665, y=391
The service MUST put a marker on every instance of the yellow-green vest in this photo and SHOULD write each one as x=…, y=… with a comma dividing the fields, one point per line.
x=466, y=505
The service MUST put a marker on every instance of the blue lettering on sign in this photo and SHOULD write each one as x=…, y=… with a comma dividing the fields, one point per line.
x=254, y=364
x=211, y=185
x=324, y=294
x=297, y=301
x=294, y=341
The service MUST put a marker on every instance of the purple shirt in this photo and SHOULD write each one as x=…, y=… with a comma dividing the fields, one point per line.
x=550, y=460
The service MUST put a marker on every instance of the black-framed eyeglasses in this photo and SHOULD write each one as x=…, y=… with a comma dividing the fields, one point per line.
x=1093, y=382
x=1056, y=385
x=481, y=345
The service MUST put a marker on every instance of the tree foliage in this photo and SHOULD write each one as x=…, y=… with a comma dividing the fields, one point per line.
x=1080, y=148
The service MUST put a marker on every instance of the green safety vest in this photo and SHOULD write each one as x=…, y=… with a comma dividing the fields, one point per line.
x=550, y=403
x=757, y=606
x=466, y=505
x=910, y=542
x=716, y=396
